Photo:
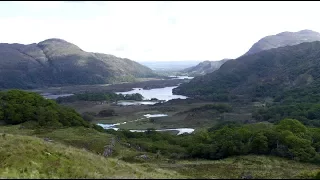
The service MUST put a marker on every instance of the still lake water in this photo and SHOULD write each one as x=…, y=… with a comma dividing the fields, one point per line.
x=159, y=93
x=164, y=94
x=181, y=77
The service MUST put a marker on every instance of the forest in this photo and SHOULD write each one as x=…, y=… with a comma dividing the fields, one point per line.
x=100, y=96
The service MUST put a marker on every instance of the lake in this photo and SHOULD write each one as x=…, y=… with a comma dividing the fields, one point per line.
x=159, y=93
x=180, y=130
x=181, y=77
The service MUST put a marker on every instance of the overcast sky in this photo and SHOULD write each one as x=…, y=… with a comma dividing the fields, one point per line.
x=156, y=31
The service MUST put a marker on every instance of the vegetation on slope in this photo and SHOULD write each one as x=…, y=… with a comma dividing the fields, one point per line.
x=30, y=157
x=17, y=107
x=42, y=159
x=289, y=139
x=246, y=167
x=105, y=96
x=269, y=73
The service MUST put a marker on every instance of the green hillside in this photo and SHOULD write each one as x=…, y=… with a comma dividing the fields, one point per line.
x=269, y=73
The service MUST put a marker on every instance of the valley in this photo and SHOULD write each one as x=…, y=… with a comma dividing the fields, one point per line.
x=69, y=113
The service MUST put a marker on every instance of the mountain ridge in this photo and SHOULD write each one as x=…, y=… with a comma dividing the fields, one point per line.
x=56, y=61
x=262, y=74
x=204, y=67
x=283, y=39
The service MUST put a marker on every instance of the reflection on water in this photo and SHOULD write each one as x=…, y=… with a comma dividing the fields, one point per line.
x=154, y=115
x=180, y=130
x=129, y=103
x=159, y=93
x=181, y=77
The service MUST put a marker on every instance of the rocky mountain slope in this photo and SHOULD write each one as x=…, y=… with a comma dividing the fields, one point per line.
x=58, y=62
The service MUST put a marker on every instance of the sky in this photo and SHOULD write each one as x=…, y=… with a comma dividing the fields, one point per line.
x=156, y=30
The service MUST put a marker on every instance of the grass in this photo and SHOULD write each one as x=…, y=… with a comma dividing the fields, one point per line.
x=80, y=137
x=74, y=153
x=31, y=157
x=233, y=167
x=178, y=115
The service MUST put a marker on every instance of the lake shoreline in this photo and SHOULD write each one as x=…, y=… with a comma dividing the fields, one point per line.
x=121, y=87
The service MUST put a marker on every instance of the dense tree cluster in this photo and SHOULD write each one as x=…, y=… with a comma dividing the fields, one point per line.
x=105, y=96
x=307, y=113
x=17, y=107
x=289, y=138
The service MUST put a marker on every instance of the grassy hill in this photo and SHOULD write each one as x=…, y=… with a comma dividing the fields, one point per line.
x=31, y=157
x=25, y=154
x=58, y=62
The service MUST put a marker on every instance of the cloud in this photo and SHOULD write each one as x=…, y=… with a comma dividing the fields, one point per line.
x=147, y=50
x=121, y=48
x=156, y=30
x=172, y=20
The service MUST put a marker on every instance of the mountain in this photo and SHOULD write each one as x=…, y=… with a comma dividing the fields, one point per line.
x=284, y=39
x=58, y=62
x=169, y=65
x=204, y=67
x=264, y=74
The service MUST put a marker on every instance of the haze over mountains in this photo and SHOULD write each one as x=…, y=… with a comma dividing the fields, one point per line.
x=204, y=67
x=58, y=62
x=169, y=65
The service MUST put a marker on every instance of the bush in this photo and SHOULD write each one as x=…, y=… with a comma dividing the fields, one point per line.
x=17, y=107
x=107, y=112
x=88, y=116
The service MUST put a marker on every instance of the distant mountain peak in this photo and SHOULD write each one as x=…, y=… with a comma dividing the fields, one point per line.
x=54, y=40
x=57, y=62
x=204, y=67
x=282, y=39
x=307, y=31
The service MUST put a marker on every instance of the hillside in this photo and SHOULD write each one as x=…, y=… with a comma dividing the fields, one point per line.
x=41, y=139
x=284, y=39
x=58, y=62
x=204, y=67
x=263, y=74
x=31, y=157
